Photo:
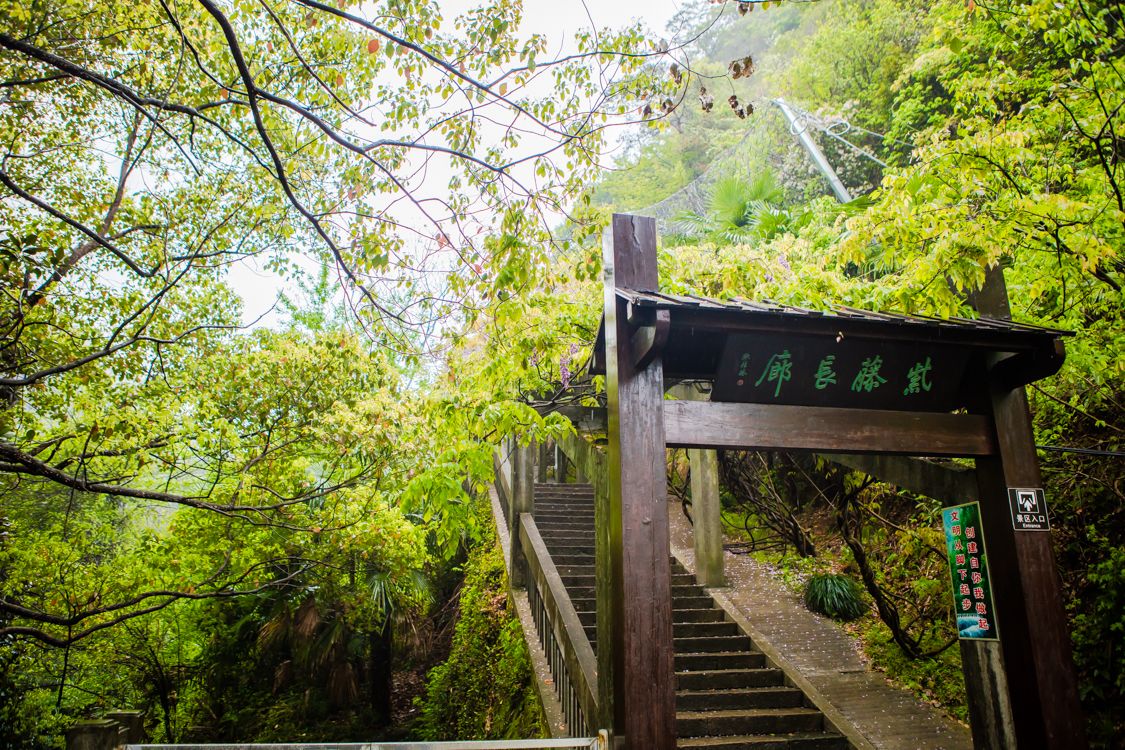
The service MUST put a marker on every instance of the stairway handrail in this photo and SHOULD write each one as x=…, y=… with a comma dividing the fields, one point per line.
x=579, y=662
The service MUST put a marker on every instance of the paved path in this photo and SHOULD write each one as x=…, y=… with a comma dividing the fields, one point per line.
x=824, y=656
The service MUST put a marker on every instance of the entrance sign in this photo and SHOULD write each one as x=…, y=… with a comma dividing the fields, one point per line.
x=840, y=371
x=1029, y=509
x=968, y=568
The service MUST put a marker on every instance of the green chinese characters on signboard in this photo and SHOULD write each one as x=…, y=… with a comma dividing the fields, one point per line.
x=830, y=371
x=968, y=568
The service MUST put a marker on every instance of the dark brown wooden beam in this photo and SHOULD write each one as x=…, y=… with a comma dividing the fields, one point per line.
x=692, y=424
x=1034, y=632
x=636, y=605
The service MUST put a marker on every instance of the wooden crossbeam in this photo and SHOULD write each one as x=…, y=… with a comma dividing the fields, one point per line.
x=696, y=424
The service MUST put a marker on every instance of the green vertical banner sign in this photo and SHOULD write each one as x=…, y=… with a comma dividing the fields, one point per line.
x=968, y=568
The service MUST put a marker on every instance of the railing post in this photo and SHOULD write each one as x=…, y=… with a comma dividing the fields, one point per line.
x=542, y=453
x=707, y=531
x=523, y=475
x=132, y=723
x=562, y=465
x=95, y=734
x=510, y=448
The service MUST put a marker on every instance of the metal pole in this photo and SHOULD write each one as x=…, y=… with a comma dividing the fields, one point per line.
x=801, y=130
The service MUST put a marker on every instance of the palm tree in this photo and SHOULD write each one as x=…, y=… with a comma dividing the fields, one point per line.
x=321, y=646
x=741, y=211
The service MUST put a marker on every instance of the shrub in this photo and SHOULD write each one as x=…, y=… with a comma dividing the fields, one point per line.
x=834, y=595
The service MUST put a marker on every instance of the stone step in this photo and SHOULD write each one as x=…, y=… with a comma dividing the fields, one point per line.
x=564, y=547
x=565, y=496
x=725, y=679
x=578, y=584
x=570, y=547
x=572, y=559
x=583, y=517
x=585, y=570
x=564, y=491
x=709, y=644
x=568, y=525
x=719, y=660
x=726, y=643
x=697, y=615
x=688, y=589
x=748, y=721
x=584, y=537
x=795, y=741
x=704, y=629
x=561, y=506
x=692, y=602
x=557, y=503
x=553, y=532
x=718, y=700
x=548, y=531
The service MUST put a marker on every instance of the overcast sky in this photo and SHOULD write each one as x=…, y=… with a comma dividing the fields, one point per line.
x=558, y=20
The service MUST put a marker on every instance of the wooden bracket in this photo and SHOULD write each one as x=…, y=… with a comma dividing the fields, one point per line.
x=1027, y=367
x=648, y=341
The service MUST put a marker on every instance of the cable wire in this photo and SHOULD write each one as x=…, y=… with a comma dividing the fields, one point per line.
x=1081, y=451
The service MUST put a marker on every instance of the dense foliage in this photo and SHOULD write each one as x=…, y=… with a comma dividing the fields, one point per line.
x=485, y=689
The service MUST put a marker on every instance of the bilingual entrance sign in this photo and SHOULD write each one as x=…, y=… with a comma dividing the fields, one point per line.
x=1029, y=509
x=968, y=569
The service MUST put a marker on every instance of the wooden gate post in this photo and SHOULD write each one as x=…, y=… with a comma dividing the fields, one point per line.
x=707, y=531
x=636, y=605
x=706, y=508
x=1035, y=637
x=1028, y=593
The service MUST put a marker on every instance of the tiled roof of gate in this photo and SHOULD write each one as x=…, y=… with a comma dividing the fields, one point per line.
x=996, y=333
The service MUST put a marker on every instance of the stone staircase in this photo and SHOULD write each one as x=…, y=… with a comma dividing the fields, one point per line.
x=727, y=696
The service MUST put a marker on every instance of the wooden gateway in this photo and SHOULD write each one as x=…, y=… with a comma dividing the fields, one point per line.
x=850, y=382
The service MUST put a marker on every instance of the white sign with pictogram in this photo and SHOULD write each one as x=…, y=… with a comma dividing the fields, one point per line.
x=1029, y=509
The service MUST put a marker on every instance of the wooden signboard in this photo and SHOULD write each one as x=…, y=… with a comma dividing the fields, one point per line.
x=840, y=372
x=968, y=568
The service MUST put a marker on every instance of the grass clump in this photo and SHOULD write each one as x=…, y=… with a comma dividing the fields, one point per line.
x=834, y=595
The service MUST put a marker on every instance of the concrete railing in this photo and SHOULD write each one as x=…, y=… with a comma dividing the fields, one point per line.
x=567, y=743
x=564, y=641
